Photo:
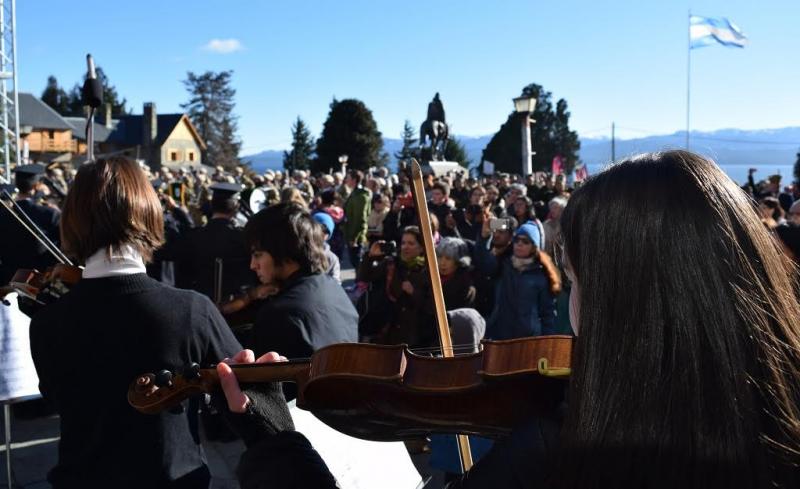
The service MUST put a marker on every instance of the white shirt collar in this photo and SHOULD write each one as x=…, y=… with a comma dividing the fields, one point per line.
x=123, y=261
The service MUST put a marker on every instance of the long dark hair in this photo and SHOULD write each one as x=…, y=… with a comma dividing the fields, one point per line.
x=687, y=363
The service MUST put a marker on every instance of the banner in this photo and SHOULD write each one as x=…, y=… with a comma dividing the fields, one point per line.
x=558, y=165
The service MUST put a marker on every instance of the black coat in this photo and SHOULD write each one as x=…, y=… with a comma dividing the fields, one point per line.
x=90, y=345
x=18, y=248
x=199, y=249
x=310, y=311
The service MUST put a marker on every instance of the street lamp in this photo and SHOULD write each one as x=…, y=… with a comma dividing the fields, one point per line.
x=343, y=162
x=525, y=105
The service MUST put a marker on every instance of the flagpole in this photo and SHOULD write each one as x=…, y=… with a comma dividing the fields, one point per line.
x=688, y=73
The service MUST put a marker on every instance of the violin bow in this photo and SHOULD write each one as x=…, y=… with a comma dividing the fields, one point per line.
x=15, y=210
x=445, y=341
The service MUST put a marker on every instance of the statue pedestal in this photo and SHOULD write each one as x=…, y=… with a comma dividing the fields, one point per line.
x=439, y=168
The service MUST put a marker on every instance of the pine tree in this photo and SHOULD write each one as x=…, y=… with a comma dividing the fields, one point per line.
x=549, y=135
x=455, y=151
x=409, y=149
x=299, y=158
x=210, y=108
x=55, y=96
x=349, y=130
x=566, y=142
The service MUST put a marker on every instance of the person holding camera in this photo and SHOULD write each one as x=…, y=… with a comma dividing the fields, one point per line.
x=405, y=281
x=526, y=283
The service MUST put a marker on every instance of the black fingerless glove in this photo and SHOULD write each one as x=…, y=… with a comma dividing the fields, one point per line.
x=267, y=413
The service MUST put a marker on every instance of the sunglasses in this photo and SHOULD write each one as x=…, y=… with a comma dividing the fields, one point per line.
x=524, y=241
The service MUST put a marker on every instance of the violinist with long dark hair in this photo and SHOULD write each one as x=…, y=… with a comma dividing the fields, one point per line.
x=115, y=322
x=686, y=368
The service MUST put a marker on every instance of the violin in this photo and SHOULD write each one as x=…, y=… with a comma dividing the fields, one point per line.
x=45, y=287
x=246, y=298
x=388, y=393
x=37, y=289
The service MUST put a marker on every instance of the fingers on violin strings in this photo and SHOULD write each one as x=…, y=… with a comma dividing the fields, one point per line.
x=271, y=357
x=244, y=356
x=237, y=401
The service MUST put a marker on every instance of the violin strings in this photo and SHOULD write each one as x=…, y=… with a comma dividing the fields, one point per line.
x=436, y=349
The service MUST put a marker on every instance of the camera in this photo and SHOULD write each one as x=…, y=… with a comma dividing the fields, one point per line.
x=500, y=224
x=389, y=248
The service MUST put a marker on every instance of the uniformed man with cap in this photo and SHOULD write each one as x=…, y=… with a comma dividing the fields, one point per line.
x=18, y=248
x=219, y=238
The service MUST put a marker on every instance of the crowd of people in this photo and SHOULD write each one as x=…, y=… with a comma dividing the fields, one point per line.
x=510, y=251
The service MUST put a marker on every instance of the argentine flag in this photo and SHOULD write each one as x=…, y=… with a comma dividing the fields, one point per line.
x=704, y=31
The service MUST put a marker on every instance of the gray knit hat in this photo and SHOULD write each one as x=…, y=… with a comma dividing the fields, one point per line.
x=456, y=249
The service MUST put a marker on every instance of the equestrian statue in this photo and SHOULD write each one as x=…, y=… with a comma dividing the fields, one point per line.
x=435, y=130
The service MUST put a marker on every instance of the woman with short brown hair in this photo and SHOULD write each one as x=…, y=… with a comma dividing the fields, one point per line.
x=114, y=324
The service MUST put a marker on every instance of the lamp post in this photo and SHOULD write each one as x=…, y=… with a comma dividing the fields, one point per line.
x=343, y=162
x=525, y=105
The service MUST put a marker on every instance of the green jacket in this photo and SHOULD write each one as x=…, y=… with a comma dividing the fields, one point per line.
x=356, y=212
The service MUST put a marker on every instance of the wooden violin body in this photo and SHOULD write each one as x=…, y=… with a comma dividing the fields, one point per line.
x=37, y=289
x=384, y=393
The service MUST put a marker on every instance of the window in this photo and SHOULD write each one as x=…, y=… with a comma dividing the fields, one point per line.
x=173, y=156
x=191, y=155
x=51, y=134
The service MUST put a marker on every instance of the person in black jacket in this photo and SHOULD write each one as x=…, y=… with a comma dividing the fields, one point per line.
x=113, y=325
x=221, y=238
x=18, y=248
x=310, y=310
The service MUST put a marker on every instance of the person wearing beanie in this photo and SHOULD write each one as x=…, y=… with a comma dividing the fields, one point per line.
x=456, y=274
x=334, y=267
x=526, y=287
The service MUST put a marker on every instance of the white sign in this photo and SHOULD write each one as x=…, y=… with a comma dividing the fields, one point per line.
x=358, y=463
x=17, y=374
x=488, y=167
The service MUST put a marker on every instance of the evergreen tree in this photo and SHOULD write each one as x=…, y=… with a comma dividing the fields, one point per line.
x=299, y=158
x=455, y=151
x=55, y=96
x=505, y=147
x=797, y=170
x=210, y=108
x=567, y=143
x=349, y=129
x=409, y=149
x=110, y=96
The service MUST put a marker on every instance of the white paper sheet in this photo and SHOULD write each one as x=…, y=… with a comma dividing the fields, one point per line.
x=356, y=463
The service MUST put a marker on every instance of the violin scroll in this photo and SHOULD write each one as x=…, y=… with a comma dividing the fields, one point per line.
x=153, y=393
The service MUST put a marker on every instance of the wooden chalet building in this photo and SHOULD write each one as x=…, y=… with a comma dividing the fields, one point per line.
x=158, y=139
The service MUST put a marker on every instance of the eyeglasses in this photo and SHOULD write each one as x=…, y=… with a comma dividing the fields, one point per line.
x=524, y=241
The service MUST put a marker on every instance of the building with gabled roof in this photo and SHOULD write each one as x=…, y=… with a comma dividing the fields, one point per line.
x=165, y=139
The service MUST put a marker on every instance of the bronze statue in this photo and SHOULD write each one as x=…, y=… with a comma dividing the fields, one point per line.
x=434, y=129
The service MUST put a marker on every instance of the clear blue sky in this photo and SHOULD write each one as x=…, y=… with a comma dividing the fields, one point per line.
x=613, y=60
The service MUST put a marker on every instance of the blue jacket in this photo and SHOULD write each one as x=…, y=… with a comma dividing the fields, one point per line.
x=523, y=303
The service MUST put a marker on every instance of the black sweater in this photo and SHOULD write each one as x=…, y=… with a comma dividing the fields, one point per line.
x=87, y=349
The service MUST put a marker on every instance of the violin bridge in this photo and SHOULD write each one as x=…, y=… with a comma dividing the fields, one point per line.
x=545, y=370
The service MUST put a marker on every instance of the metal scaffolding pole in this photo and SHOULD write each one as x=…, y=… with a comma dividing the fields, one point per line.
x=9, y=97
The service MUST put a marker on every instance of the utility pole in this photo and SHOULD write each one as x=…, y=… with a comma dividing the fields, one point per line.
x=613, y=144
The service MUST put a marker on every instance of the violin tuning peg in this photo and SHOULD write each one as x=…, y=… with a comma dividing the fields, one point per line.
x=192, y=371
x=164, y=378
x=177, y=409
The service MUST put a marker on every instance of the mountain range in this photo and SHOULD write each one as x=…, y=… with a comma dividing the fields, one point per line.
x=770, y=148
